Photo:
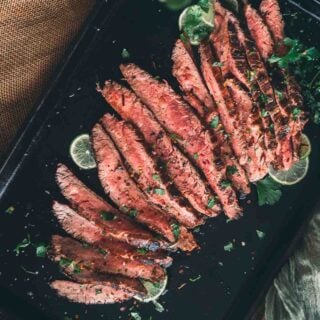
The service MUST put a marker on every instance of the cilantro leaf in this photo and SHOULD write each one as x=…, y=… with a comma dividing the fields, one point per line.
x=214, y=122
x=41, y=250
x=269, y=191
x=176, y=4
x=26, y=242
x=175, y=230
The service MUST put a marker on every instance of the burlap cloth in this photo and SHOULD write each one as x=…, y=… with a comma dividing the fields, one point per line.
x=34, y=36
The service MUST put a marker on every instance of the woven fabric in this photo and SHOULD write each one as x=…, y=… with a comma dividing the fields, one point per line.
x=34, y=35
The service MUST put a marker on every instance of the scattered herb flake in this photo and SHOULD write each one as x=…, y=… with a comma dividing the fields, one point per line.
x=159, y=191
x=98, y=291
x=41, y=250
x=10, y=210
x=125, y=53
x=225, y=183
x=26, y=242
x=196, y=156
x=107, y=216
x=176, y=4
x=228, y=247
x=214, y=122
x=269, y=191
x=211, y=203
x=158, y=306
x=218, y=64
x=232, y=170
x=64, y=262
x=279, y=94
x=135, y=316
x=260, y=234
x=229, y=220
x=175, y=137
x=142, y=250
x=175, y=230
x=296, y=112
x=195, y=279
x=156, y=177
x=264, y=112
x=133, y=213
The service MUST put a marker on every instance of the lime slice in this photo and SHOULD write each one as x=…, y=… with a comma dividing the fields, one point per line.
x=81, y=152
x=305, y=147
x=154, y=290
x=292, y=176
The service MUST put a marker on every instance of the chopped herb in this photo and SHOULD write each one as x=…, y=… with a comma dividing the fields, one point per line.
x=22, y=245
x=175, y=137
x=225, y=183
x=196, y=156
x=297, y=53
x=135, y=316
x=195, y=278
x=197, y=23
x=142, y=250
x=107, y=216
x=211, y=203
x=228, y=247
x=264, y=112
x=175, y=230
x=133, y=213
x=263, y=98
x=69, y=263
x=214, y=122
x=279, y=94
x=125, y=54
x=10, y=210
x=64, y=262
x=260, y=234
x=296, y=112
x=229, y=220
x=41, y=250
x=156, y=177
x=251, y=75
x=98, y=291
x=196, y=230
x=232, y=170
x=268, y=191
x=158, y=306
x=218, y=64
x=159, y=191
x=104, y=252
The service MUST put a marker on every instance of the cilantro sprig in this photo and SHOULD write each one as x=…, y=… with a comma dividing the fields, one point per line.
x=269, y=191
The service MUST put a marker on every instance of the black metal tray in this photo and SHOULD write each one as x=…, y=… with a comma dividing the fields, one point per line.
x=231, y=283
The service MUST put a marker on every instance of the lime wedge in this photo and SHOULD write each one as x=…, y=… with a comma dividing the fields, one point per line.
x=305, y=147
x=154, y=290
x=292, y=176
x=81, y=152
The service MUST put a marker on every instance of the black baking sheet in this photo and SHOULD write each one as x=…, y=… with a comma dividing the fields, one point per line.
x=230, y=283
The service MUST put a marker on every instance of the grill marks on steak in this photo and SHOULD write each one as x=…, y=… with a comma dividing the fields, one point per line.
x=185, y=68
x=144, y=171
x=84, y=230
x=125, y=193
x=92, y=207
x=102, y=262
x=259, y=31
x=175, y=115
x=183, y=174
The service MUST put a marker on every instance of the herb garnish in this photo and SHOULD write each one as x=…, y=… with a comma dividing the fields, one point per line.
x=26, y=242
x=260, y=234
x=195, y=278
x=214, y=122
x=197, y=22
x=175, y=230
x=125, y=53
x=211, y=203
x=142, y=250
x=135, y=316
x=176, y=4
x=295, y=113
x=156, y=177
x=232, y=170
x=133, y=213
x=218, y=64
x=196, y=156
x=69, y=263
x=225, y=183
x=228, y=247
x=107, y=216
x=159, y=191
x=41, y=250
x=268, y=191
x=10, y=210
x=98, y=291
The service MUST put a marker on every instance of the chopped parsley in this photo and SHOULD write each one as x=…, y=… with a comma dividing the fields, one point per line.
x=264, y=112
x=159, y=191
x=98, y=291
x=10, y=210
x=175, y=137
x=195, y=278
x=260, y=234
x=211, y=203
x=296, y=112
x=133, y=213
x=232, y=170
x=279, y=94
x=214, y=122
x=225, y=183
x=26, y=242
x=176, y=4
x=269, y=191
x=41, y=250
x=158, y=306
x=125, y=53
x=156, y=177
x=175, y=230
x=69, y=263
x=228, y=247
x=104, y=252
x=196, y=156
x=218, y=64
x=197, y=22
x=142, y=250
x=135, y=316
x=107, y=216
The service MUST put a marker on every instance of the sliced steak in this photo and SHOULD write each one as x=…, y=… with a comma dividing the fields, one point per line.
x=124, y=192
x=187, y=73
x=175, y=115
x=99, y=260
x=94, y=208
x=144, y=171
x=84, y=230
x=101, y=292
x=185, y=177
x=259, y=31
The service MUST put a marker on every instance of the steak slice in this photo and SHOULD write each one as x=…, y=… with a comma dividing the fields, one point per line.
x=125, y=193
x=69, y=252
x=259, y=31
x=94, y=208
x=93, y=292
x=144, y=171
x=175, y=115
x=186, y=73
x=180, y=170
x=84, y=230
